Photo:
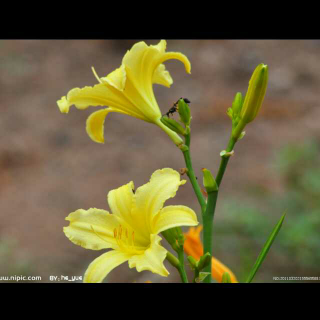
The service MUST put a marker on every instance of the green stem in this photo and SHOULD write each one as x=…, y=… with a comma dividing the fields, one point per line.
x=182, y=270
x=191, y=174
x=224, y=161
x=178, y=264
x=196, y=275
x=172, y=259
x=208, y=229
x=210, y=210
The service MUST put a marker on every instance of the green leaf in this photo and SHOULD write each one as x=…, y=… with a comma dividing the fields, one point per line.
x=202, y=276
x=265, y=249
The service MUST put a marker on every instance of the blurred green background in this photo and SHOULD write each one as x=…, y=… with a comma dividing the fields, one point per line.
x=49, y=167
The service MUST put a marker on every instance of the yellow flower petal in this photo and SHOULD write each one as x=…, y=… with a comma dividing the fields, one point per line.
x=98, y=95
x=63, y=105
x=117, y=78
x=142, y=67
x=152, y=259
x=143, y=101
x=133, y=57
x=95, y=125
x=101, y=266
x=174, y=216
x=120, y=201
x=162, y=76
x=92, y=229
x=149, y=198
x=177, y=56
x=161, y=46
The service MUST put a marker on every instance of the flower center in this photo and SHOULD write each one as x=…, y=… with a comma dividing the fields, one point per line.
x=125, y=240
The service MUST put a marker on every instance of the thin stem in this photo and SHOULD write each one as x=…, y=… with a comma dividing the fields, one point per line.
x=210, y=210
x=208, y=229
x=172, y=259
x=178, y=264
x=182, y=270
x=196, y=275
x=191, y=174
x=194, y=181
x=224, y=161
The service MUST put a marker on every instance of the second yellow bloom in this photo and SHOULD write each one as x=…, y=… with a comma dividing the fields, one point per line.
x=131, y=231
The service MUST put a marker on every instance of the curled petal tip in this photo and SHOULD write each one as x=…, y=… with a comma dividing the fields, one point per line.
x=63, y=105
x=95, y=125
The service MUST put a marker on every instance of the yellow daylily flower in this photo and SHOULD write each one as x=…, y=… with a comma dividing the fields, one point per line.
x=131, y=231
x=193, y=247
x=128, y=89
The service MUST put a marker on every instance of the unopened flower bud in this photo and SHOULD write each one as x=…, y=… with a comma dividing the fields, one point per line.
x=237, y=103
x=204, y=261
x=208, y=181
x=226, y=278
x=173, y=125
x=255, y=94
x=184, y=112
x=253, y=100
x=174, y=237
x=193, y=262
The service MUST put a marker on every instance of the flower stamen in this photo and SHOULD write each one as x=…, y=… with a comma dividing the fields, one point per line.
x=95, y=74
x=97, y=234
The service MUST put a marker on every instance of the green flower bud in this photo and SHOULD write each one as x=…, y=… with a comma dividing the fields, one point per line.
x=184, y=112
x=237, y=103
x=255, y=94
x=204, y=261
x=193, y=262
x=226, y=278
x=174, y=237
x=253, y=100
x=173, y=125
x=234, y=111
x=208, y=181
x=230, y=113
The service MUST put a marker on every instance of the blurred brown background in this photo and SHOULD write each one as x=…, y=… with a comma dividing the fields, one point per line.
x=49, y=167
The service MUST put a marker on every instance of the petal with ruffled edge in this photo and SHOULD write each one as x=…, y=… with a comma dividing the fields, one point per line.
x=162, y=76
x=149, y=198
x=99, y=95
x=101, y=266
x=92, y=229
x=174, y=216
x=152, y=259
x=143, y=60
x=117, y=78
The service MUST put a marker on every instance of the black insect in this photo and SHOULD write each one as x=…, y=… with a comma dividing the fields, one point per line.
x=175, y=107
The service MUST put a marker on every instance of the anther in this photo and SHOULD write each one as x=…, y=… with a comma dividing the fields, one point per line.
x=120, y=231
